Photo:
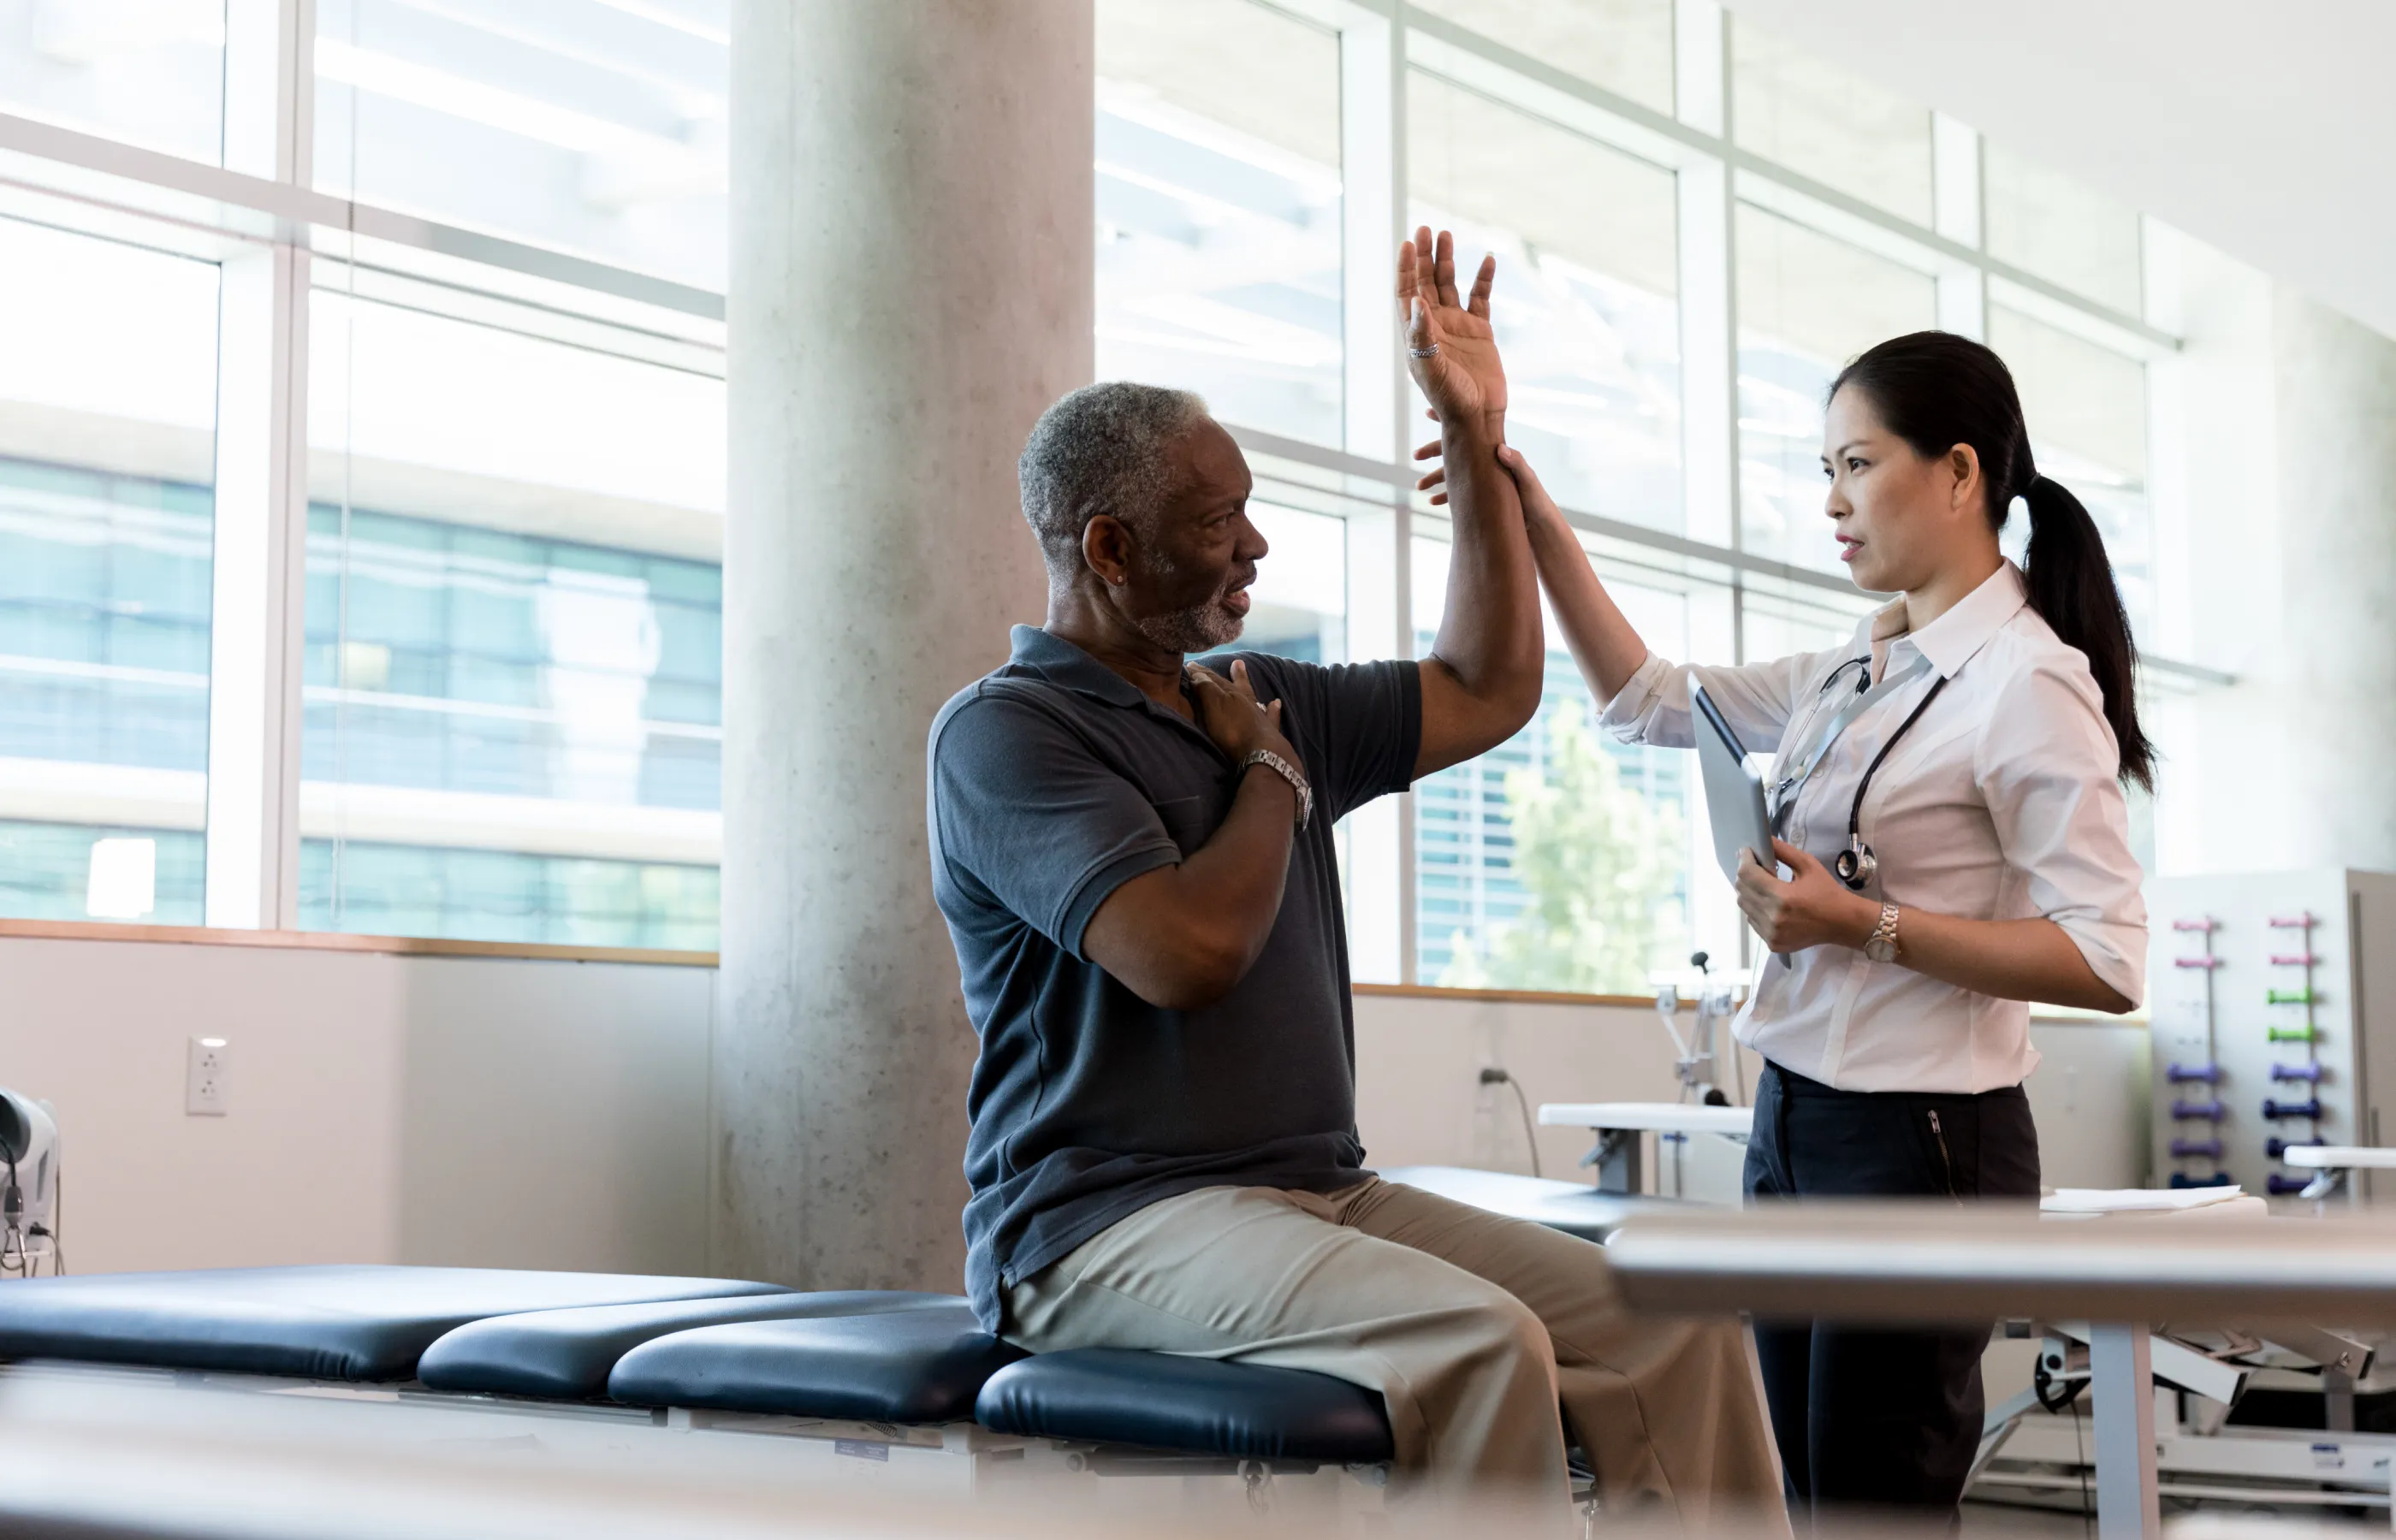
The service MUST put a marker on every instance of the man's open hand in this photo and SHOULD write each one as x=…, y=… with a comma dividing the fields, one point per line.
x=1463, y=379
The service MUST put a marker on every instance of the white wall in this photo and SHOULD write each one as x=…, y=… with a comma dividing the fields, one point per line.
x=2274, y=418
x=498, y=1113
x=383, y=1109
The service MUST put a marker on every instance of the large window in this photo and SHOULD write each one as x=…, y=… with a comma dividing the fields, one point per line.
x=1588, y=254
x=512, y=718
x=1672, y=306
x=591, y=126
x=367, y=574
x=366, y=581
x=1218, y=235
x=147, y=71
x=108, y=383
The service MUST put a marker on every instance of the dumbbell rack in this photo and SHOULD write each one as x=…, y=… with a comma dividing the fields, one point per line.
x=2196, y=1124
x=2303, y=1073
x=2257, y=990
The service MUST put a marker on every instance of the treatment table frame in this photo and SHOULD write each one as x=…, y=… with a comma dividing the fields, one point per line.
x=1892, y=1264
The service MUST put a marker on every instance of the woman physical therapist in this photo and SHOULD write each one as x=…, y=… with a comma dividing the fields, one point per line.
x=1948, y=801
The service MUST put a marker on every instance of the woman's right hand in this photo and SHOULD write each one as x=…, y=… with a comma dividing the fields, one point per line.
x=1538, y=506
x=1604, y=642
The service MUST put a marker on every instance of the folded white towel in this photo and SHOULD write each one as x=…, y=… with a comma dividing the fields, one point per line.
x=2135, y=1199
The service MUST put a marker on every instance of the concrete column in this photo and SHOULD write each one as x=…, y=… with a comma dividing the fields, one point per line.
x=911, y=286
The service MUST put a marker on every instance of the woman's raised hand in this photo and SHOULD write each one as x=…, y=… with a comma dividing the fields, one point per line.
x=1451, y=350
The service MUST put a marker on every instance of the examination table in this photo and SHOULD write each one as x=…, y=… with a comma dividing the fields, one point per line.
x=852, y=1380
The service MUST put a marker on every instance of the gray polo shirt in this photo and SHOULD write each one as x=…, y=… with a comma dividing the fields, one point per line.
x=1054, y=781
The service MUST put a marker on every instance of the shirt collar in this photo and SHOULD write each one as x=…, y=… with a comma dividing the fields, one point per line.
x=1950, y=641
x=1061, y=663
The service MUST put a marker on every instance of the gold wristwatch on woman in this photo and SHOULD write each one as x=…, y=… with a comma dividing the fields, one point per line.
x=1881, y=945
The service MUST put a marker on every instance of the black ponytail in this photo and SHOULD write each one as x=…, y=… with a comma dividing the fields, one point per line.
x=1936, y=390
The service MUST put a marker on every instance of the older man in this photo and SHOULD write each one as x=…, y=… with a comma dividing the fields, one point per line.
x=1135, y=858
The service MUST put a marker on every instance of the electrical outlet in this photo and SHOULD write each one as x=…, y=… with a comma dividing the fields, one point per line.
x=204, y=1077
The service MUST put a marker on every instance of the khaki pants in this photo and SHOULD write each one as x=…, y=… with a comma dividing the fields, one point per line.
x=1471, y=1326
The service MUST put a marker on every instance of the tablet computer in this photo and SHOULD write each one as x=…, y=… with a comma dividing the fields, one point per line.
x=1734, y=791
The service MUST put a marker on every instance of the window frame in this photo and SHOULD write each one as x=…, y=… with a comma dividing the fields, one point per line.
x=260, y=215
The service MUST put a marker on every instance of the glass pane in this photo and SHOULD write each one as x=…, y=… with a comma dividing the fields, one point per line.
x=1218, y=195
x=585, y=126
x=1559, y=859
x=1807, y=304
x=2088, y=412
x=2051, y=225
x=1625, y=45
x=1789, y=105
x=1587, y=270
x=1782, y=624
x=1299, y=600
x=513, y=687
x=107, y=519
x=147, y=71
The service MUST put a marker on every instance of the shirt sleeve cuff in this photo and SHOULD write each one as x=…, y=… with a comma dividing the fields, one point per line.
x=2113, y=967
x=1631, y=702
x=1101, y=884
x=1402, y=774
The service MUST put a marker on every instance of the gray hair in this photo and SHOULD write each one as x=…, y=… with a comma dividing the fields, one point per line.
x=1105, y=448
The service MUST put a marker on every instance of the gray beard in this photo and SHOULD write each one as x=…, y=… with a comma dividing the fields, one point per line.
x=1199, y=628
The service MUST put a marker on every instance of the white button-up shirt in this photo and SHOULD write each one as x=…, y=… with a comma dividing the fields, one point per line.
x=2002, y=803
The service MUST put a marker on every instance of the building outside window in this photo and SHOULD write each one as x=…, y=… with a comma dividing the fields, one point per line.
x=107, y=416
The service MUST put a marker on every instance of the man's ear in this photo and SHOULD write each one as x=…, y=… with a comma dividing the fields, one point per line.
x=1106, y=548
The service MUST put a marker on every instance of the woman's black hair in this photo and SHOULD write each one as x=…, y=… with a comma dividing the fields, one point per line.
x=1936, y=390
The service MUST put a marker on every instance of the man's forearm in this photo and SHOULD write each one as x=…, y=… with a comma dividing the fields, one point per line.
x=1183, y=935
x=1489, y=636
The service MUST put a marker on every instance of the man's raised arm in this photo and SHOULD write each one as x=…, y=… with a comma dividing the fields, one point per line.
x=1482, y=680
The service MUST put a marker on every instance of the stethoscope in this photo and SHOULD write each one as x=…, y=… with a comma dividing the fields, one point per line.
x=1856, y=866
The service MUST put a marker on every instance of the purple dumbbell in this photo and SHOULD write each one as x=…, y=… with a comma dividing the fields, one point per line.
x=2307, y=1072
x=2181, y=1074
x=2293, y=1109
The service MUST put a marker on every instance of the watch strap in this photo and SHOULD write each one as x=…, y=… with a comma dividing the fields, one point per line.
x=1288, y=772
x=1882, y=946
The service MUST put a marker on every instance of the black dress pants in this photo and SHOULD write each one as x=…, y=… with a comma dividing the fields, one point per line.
x=1870, y=1418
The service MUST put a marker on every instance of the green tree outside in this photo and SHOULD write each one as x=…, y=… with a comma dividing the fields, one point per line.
x=1599, y=863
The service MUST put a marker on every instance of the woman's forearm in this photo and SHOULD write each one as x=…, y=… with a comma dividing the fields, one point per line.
x=2031, y=959
x=1604, y=642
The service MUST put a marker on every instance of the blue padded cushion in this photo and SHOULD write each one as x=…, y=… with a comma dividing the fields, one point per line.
x=918, y=1365
x=567, y=1354
x=1194, y=1405
x=325, y=1322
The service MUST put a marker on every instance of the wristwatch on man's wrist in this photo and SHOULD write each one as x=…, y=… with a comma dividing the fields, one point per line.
x=1288, y=772
x=1881, y=945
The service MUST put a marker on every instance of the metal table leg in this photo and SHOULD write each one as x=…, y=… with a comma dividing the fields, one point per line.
x=2121, y=1384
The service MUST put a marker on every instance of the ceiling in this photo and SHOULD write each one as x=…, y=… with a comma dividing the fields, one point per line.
x=2267, y=129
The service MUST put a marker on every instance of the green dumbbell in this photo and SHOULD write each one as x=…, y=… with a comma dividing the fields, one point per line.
x=2289, y=997
x=2291, y=1034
